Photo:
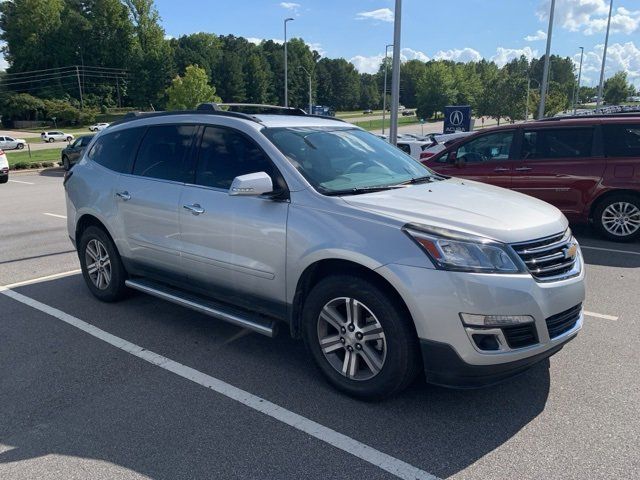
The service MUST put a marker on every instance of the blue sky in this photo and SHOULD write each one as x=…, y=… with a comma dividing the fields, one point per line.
x=460, y=30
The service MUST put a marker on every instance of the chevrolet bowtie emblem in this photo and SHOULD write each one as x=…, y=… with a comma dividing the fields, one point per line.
x=570, y=252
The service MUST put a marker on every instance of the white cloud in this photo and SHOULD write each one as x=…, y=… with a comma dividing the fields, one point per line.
x=258, y=41
x=367, y=64
x=539, y=35
x=620, y=56
x=3, y=62
x=318, y=48
x=459, y=55
x=590, y=16
x=381, y=14
x=411, y=54
x=290, y=5
x=505, y=55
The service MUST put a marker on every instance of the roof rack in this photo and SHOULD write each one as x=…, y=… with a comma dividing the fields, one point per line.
x=137, y=115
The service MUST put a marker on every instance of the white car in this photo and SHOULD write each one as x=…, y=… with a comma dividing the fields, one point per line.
x=439, y=142
x=412, y=147
x=98, y=127
x=4, y=167
x=56, y=135
x=10, y=143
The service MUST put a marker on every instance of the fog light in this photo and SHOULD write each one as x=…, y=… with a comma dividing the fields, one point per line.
x=486, y=342
x=494, y=320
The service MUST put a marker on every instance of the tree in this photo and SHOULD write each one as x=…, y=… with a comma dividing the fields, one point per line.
x=435, y=89
x=369, y=95
x=257, y=75
x=617, y=89
x=187, y=92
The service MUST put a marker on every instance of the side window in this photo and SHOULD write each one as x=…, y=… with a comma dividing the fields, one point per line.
x=406, y=148
x=557, y=143
x=494, y=146
x=115, y=151
x=622, y=140
x=163, y=151
x=226, y=154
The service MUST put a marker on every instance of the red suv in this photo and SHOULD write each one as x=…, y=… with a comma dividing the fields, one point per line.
x=588, y=167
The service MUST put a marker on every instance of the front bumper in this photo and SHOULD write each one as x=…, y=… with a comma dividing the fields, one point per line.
x=435, y=299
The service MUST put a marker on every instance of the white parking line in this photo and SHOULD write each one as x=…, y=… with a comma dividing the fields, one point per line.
x=600, y=315
x=630, y=252
x=347, y=444
x=55, y=215
x=31, y=281
x=24, y=183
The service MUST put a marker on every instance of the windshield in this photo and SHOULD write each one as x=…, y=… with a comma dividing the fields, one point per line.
x=346, y=160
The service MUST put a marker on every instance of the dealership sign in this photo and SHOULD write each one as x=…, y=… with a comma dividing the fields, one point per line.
x=457, y=118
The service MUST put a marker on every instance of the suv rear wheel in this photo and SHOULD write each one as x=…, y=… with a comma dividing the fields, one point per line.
x=101, y=265
x=618, y=217
x=358, y=336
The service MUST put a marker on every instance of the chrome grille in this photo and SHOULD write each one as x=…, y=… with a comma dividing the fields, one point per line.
x=550, y=258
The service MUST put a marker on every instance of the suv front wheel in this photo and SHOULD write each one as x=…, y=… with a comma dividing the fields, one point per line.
x=618, y=217
x=359, y=337
x=101, y=265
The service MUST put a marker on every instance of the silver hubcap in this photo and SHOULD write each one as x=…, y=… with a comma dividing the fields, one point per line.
x=621, y=219
x=98, y=264
x=351, y=338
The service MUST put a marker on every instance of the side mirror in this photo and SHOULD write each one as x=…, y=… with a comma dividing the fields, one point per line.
x=252, y=184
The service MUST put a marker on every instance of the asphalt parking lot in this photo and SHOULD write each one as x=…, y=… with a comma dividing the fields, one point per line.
x=146, y=389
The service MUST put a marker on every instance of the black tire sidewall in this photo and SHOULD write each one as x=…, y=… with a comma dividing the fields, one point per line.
x=20, y=146
x=4, y=179
x=116, y=289
x=400, y=363
x=65, y=163
x=597, y=216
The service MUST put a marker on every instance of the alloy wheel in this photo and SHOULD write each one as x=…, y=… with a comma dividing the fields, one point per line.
x=98, y=264
x=621, y=219
x=351, y=338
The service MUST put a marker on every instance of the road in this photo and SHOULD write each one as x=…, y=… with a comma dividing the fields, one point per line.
x=146, y=389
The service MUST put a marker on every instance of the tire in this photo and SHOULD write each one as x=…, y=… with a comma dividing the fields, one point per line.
x=20, y=146
x=617, y=217
x=392, y=348
x=4, y=179
x=94, y=241
x=65, y=163
x=69, y=139
x=51, y=140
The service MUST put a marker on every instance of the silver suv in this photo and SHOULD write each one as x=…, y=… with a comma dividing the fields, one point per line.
x=275, y=217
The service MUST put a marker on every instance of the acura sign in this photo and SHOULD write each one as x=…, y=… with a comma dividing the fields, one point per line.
x=457, y=118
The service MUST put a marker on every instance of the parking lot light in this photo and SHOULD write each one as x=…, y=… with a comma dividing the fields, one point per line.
x=286, y=78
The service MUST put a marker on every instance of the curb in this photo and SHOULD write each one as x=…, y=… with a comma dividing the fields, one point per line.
x=23, y=171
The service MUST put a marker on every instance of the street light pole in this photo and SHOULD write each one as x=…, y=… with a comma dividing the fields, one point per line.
x=526, y=114
x=576, y=97
x=604, y=57
x=395, y=73
x=545, y=72
x=310, y=100
x=286, y=78
x=384, y=93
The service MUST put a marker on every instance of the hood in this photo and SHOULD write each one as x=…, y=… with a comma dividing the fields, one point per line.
x=467, y=206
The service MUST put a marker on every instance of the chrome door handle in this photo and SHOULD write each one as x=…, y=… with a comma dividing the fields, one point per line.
x=124, y=195
x=501, y=169
x=523, y=169
x=195, y=208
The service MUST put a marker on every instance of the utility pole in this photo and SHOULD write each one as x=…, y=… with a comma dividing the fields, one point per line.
x=79, y=87
x=384, y=93
x=286, y=78
x=545, y=72
x=310, y=98
x=576, y=97
x=395, y=74
x=118, y=90
x=604, y=57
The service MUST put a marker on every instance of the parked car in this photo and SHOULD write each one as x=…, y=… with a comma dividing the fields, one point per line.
x=367, y=111
x=411, y=146
x=588, y=167
x=98, y=127
x=408, y=113
x=56, y=135
x=382, y=266
x=72, y=153
x=4, y=167
x=438, y=142
x=10, y=143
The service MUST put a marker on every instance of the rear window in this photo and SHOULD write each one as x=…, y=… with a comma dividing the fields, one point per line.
x=115, y=150
x=557, y=143
x=622, y=140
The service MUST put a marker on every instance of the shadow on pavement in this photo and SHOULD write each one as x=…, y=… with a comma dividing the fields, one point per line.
x=67, y=393
x=53, y=172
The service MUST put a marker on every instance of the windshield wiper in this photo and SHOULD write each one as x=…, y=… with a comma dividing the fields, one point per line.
x=361, y=190
x=412, y=181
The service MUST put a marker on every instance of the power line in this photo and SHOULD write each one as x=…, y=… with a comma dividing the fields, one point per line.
x=66, y=68
x=60, y=76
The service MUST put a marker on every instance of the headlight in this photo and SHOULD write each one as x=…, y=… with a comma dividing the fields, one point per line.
x=452, y=250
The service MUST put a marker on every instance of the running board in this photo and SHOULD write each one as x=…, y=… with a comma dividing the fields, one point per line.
x=202, y=305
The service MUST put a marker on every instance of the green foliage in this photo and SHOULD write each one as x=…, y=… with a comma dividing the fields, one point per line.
x=617, y=89
x=185, y=93
x=436, y=89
